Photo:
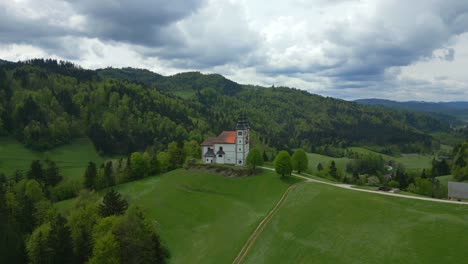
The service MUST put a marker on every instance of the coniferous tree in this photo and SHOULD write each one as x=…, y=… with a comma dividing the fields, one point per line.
x=108, y=174
x=333, y=171
x=36, y=171
x=319, y=167
x=60, y=240
x=52, y=175
x=112, y=204
x=265, y=156
x=90, y=176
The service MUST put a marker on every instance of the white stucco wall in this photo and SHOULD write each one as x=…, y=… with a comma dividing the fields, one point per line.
x=230, y=153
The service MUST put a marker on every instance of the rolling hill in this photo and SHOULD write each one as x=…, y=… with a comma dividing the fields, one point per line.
x=203, y=217
x=458, y=110
x=123, y=110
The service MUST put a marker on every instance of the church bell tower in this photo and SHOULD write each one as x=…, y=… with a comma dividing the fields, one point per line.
x=242, y=140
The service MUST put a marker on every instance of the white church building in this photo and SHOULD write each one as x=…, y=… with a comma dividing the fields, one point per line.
x=229, y=147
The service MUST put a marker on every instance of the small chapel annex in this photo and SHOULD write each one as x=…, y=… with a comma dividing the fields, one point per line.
x=229, y=147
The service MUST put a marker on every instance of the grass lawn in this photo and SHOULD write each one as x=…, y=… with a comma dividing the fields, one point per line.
x=72, y=158
x=412, y=162
x=184, y=94
x=315, y=159
x=415, y=162
x=203, y=217
x=324, y=224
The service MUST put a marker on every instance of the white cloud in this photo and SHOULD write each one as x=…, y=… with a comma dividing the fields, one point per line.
x=346, y=48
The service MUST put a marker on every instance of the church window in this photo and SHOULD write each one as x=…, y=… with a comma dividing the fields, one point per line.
x=220, y=156
x=220, y=148
x=239, y=133
x=240, y=161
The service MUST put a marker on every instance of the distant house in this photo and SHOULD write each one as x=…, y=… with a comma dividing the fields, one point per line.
x=458, y=190
x=229, y=147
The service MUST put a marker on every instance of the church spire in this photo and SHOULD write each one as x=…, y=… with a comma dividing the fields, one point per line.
x=243, y=123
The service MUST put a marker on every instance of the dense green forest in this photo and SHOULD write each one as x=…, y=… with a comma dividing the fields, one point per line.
x=456, y=111
x=46, y=103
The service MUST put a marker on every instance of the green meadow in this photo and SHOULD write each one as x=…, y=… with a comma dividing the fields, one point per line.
x=315, y=159
x=203, y=217
x=324, y=224
x=72, y=158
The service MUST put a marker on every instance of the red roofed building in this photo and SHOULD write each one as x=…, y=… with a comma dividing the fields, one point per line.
x=229, y=147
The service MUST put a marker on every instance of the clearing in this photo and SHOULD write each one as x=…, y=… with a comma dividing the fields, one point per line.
x=203, y=217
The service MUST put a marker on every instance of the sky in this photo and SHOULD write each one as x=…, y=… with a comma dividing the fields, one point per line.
x=350, y=49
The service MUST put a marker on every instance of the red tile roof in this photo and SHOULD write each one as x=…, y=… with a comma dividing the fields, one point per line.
x=226, y=137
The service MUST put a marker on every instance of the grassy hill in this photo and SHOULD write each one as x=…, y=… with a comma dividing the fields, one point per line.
x=315, y=159
x=324, y=224
x=71, y=159
x=203, y=217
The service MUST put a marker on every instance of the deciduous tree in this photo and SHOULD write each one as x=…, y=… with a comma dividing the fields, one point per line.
x=300, y=160
x=283, y=163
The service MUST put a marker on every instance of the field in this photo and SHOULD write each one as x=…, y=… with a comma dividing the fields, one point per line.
x=324, y=224
x=315, y=159
x=412, y=162
x=72, y=158
x=202, y=217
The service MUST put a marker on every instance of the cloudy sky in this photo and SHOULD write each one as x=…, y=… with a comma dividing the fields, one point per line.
x=393, y=49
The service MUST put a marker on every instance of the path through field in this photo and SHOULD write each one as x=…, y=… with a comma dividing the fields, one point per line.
x=250, y=242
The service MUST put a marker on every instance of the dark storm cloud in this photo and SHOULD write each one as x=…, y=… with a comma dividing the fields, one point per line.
x=48, y=24
x=142, y=22
x=400, y=35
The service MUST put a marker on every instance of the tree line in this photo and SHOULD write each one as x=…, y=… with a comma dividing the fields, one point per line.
x=45, y=103
x=93, y=232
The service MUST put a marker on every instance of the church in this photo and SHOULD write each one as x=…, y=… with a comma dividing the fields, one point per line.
x=229, y=147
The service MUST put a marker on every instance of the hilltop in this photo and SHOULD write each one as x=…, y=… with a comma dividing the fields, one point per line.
x=48, y=103
x=458, y=110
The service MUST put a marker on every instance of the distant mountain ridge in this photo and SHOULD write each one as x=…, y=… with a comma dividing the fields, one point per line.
x=458, y=109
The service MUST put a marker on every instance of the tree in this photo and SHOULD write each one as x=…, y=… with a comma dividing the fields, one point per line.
x=192, y=149
x=254, y=158
x=300, y=161
x=176, y=155
x=108, y=174
x=106, y=250
x=81, y=222
x=154, y=166
x=163, y=159
x=283, y=163
x=137, y=166
x=37, y=246
x=332, y=170
x=265, y=156
x=112, y=204
x=319, y=167
x=90, y=176
x=36, y=172
x=52, y=175
x=60, y=240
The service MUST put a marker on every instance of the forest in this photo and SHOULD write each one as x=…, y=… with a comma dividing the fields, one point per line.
x=46, y=103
